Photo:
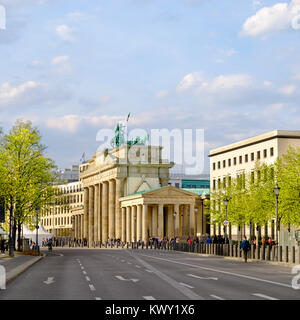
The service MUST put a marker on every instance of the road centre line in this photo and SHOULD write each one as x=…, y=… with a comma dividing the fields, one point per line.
x=264, y=296
x=149, y=298
x=222, y=271
x=92, y=287
x=216, y=297
x=186, y=285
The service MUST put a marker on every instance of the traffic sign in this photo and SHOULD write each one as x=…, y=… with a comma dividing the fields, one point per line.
x=226, y=223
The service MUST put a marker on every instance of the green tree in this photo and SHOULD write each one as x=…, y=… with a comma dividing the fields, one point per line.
x=26, y=175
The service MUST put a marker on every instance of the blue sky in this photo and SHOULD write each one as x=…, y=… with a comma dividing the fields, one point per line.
x=74, y=67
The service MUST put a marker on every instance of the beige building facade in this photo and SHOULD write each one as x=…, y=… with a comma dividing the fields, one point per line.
x=240, y=158
x=57, y=219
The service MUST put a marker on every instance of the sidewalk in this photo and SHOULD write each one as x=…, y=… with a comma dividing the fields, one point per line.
x=17, y=265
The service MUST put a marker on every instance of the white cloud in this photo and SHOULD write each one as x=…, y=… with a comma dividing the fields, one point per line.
x=9, y=93
x=62, y=65
x=161, y=94
x=65, y=33
x=288, y=90
x=72, y=122
x=280, y=16
x=196, y=81
x=30, y=93
x=189, y=81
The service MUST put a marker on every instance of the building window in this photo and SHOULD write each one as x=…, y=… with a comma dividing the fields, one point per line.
x=224, y=182
x=241, y=159
x=252, y=156
x=234, y=161
x=214, y=184
x=219, y=183
x=229, y=162
x=265, y=153
x=272, y=152
x=214, y=166
x=258, y=154
x=246, y=158
x=219, y=165
x=224, y=163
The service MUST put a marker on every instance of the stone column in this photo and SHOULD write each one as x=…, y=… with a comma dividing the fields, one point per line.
x=96, y=213
x=170, y=222
x=139, y=223
x=128, y=224
x=111, y=211
x=176, y=209
x=133, y=223
x=105, y=211
x=91, y=215
x=100, y=213
x=119, y=194
x=192, y=220
x=123, y=224
x=77, y=226
x=85, y=212
x=154, y=221
x=145, y=223
x=160, y=220
x=186, y=221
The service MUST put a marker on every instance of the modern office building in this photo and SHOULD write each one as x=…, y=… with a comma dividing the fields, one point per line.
x=239, y=158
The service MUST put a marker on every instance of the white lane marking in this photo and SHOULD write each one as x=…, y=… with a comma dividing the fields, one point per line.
x=122, y=260
x=88, y=279
x=222, y=271
x=138, y=266
x=183, y=290
x=186, y=285
x=129, y=263
x=123, y=279
x=98, y=298
x=82, y=268
x=149, y=271
x=49, y=280
x=84, y=272
x=202, y=278
x=264, y=296
x=149, y=298
x=92, y=287
x=216, y=297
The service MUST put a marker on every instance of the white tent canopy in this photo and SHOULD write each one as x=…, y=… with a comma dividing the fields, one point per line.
x=42, y=233
x=2, y=232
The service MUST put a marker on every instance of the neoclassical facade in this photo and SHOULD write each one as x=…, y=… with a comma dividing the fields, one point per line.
x=126, y=196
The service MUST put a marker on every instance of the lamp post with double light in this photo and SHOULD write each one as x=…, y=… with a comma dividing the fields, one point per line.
x=226, y=201
x=276, y=192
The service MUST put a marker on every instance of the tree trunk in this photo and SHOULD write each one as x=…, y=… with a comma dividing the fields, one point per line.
x=19, y=236
x=14, y=234
x=11, y=219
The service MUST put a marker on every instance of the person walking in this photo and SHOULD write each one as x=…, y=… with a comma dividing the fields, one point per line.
x=245, y=246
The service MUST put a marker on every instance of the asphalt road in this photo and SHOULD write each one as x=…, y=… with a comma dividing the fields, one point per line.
x=108, y=274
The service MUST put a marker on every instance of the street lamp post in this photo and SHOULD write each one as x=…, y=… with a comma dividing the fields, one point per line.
x=37, y=231
x=226, y=201
x=277, y=191
x=196, y=221
x=182, y=221
x=134, y=231
x=174, y=214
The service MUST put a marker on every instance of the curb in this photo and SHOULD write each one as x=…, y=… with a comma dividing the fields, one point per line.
x=11, y=275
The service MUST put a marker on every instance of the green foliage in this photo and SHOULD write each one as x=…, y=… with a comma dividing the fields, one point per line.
x=26, y=174
x=252, y=199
